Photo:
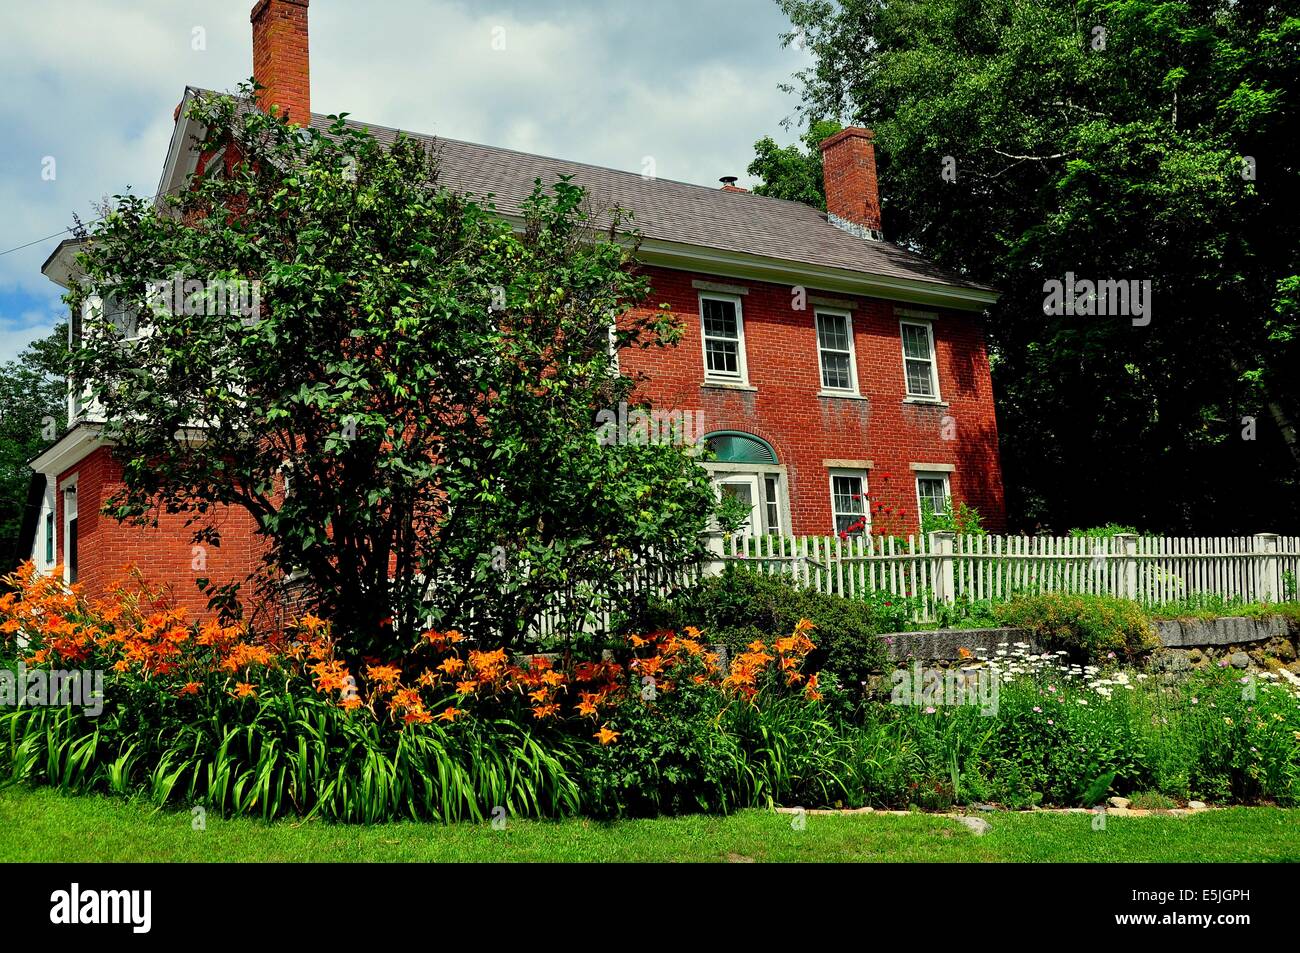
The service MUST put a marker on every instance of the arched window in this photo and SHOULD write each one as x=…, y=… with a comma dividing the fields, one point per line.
x=745, y=467
x=729, y=446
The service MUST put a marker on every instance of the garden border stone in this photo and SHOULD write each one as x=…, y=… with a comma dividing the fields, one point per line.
x=1228, y=630
x=945, y=644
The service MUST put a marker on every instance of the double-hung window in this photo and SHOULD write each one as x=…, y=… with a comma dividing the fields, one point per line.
x=932, y=493
x=772, y=503
x=849, y=501
x=919, y=366
x=722, y=328
x=835, y=353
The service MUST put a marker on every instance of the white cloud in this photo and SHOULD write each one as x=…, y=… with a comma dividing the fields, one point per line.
x=32, y=326
x=93, y=83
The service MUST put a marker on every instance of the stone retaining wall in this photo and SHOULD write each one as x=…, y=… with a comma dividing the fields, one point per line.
x=1188, y=643
x=1186, y=633
x=945, y=644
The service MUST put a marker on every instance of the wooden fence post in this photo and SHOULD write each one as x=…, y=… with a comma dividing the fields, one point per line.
x=1128, y=569
x=713, y=562
x=1268, y=568
x=941, y=555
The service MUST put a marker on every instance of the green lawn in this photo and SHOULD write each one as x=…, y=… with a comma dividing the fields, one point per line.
x=45, y=826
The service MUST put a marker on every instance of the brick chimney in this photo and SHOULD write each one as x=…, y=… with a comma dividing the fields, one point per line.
x=852, y=196
x=280, y=57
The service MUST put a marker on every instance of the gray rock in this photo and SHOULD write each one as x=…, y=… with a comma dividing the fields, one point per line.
x=1281, y=649
x=978, y=826
x=1173, y=660
x=1239, y=660
x=1196, y=805
x=941, y=645
x=1229, y=630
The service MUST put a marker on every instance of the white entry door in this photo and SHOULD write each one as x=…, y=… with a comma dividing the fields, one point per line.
x=743, y=487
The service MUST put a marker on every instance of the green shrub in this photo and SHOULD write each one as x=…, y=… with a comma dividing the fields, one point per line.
x=1087, y=626
x=1207, y=606
x=962, y=518
x=962, y=614
x=741, y=604
x=670, y=758
x=1098, y=532
x=1152, y=801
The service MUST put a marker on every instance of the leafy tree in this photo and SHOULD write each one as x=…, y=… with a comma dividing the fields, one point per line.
x=1131, y=139
x=407, y=407
x=33, y=389
x=793, y=172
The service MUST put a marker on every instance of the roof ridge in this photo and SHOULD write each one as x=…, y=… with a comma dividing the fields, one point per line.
x=326, y=117
x=574, y=162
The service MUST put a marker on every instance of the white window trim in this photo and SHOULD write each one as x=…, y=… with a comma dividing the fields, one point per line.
x=94, y=304
x=82, y=405
x=754, y=481
x=937, y=396
x=48, y=525
x=832, y=473
x=69, y=491
x=852, y=389
x=742, y=365
x=932, y=475
x=782, y=504
x=720, y=471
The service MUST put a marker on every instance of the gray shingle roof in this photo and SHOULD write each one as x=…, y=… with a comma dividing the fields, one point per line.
x=677, y=212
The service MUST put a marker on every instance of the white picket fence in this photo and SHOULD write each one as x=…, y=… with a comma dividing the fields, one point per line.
x=943, y=567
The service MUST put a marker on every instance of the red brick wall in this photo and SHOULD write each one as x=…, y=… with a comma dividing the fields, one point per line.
x=785, y=410
x=805, y=429
x=164, y=554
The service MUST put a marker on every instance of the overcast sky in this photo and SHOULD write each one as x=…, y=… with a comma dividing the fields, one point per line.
x=91, y=84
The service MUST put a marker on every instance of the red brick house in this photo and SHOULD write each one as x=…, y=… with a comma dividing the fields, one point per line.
x=823, y=362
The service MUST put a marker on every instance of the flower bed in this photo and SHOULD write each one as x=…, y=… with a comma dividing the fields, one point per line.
x=204, y=713
x=200, y=713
